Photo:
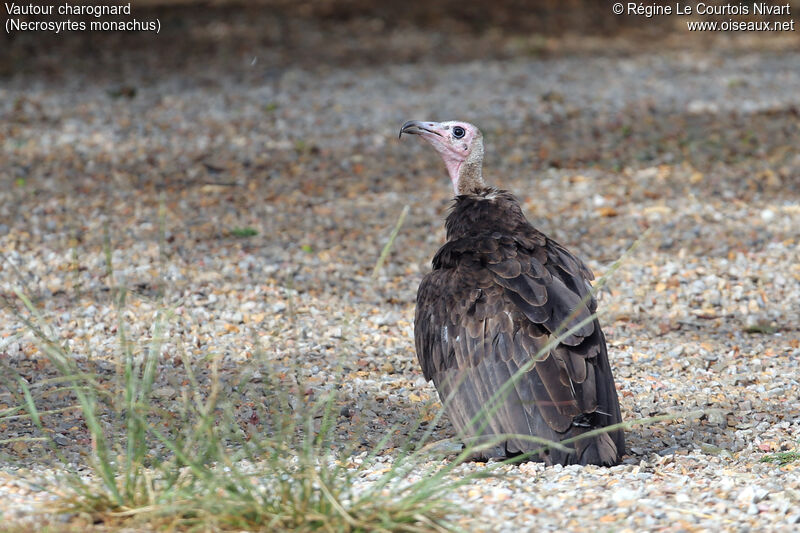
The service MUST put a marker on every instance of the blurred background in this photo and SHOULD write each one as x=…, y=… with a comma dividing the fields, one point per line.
x=303, y=100
x=583, y=84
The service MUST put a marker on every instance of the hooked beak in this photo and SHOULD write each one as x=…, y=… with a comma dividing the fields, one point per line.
x=417, y=127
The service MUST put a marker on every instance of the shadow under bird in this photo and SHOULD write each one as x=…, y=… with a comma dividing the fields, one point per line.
x=499, y=291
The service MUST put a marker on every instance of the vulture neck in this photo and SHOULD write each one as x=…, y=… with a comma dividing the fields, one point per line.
x=486, y=212
x=468, y=178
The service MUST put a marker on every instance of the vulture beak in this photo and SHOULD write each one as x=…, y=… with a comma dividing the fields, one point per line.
x=417, y=127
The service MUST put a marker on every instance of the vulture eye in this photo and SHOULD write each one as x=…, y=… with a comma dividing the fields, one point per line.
x=458, y=132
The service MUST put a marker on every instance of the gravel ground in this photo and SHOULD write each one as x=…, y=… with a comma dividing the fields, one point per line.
x=687, y=145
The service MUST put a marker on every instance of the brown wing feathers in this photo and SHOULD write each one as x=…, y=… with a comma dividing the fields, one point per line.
x=488, y=307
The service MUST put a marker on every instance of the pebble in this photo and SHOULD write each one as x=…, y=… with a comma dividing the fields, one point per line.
x=624, y=494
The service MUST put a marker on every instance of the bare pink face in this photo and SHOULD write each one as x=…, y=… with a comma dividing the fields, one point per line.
x=454, y=140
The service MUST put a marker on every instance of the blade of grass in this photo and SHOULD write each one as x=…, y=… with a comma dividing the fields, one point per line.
x=388, y=247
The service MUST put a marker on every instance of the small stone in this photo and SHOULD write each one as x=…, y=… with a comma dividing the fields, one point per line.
x=710, y=449
x=676, y=351
x=717, y=417
x=624, y=494
x=746, y=496
x=384, y=320
x=65, y=518
x=668, y=451
x=775, y=392
x=445, y=447
x=164, y=392
x=500, y=494
x=698, y=286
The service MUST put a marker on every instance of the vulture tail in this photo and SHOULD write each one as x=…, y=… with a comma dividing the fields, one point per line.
x=597, y=450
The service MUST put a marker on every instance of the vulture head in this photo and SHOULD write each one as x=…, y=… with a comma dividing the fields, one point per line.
x=460, y=144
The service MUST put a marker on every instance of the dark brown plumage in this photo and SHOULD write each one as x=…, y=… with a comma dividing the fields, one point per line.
x=498, y=290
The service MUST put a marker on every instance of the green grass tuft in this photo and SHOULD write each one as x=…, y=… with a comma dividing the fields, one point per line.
x=781, y=458
x=760, y=328
x=244, y=232
x=215, y=475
